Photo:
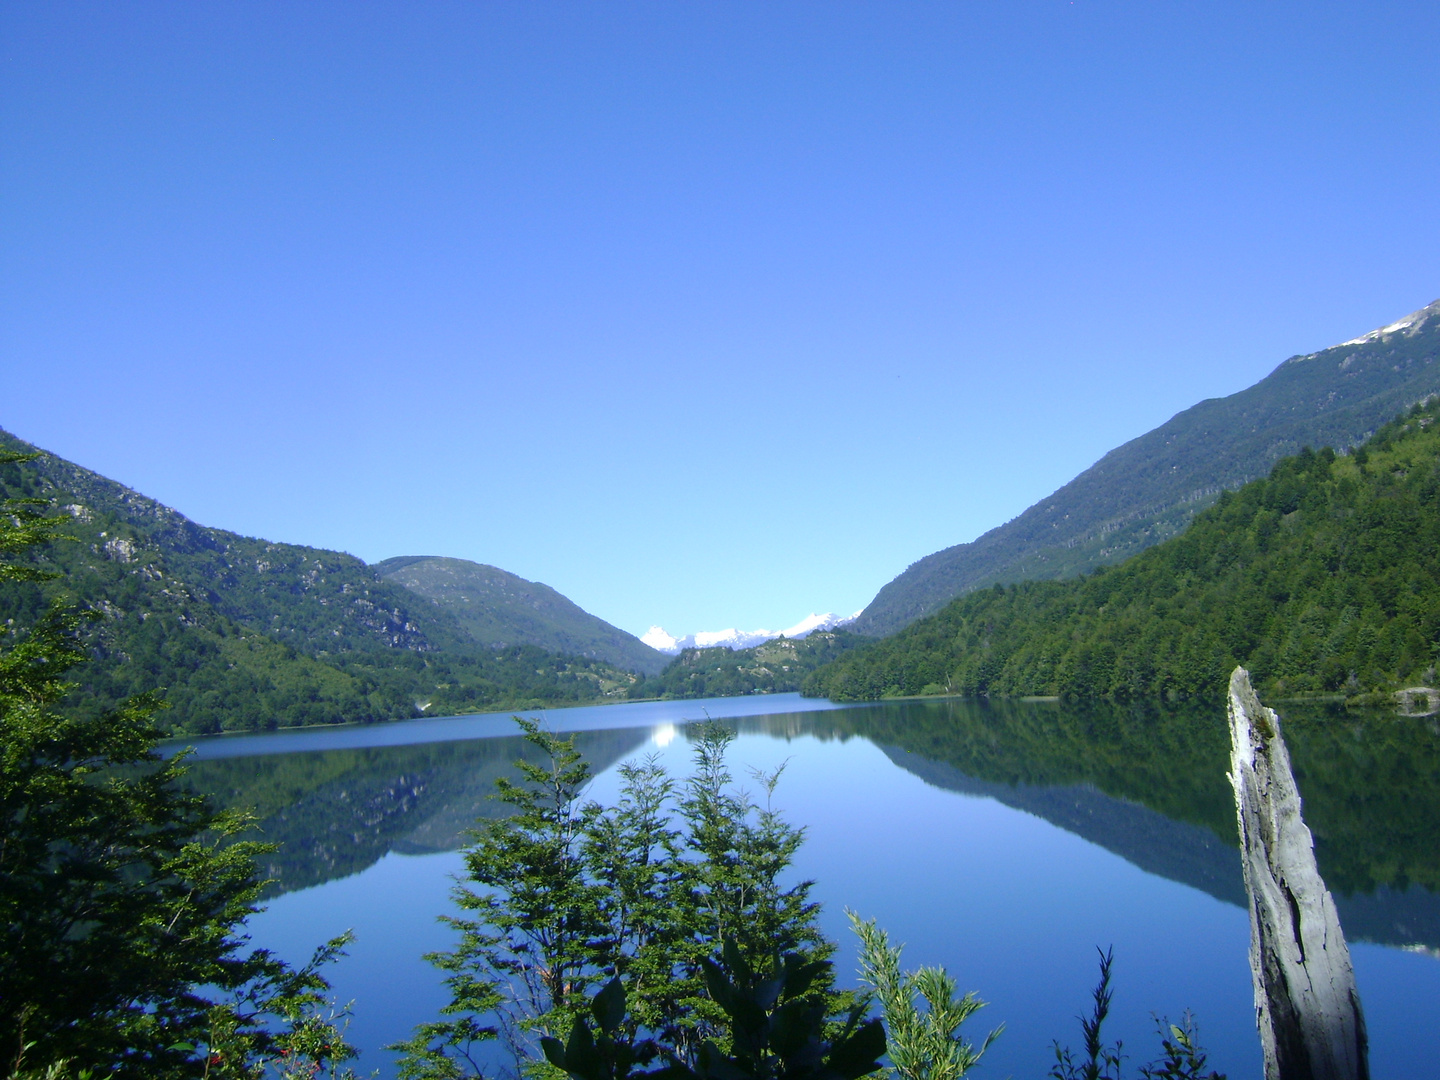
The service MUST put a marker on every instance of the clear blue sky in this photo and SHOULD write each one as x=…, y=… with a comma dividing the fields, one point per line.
x=706, y=314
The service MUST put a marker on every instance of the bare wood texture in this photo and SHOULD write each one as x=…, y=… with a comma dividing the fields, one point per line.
x=1306, y=1004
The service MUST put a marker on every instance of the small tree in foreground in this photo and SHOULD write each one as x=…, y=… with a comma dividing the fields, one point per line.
x=564, y=896
x=775, y=1032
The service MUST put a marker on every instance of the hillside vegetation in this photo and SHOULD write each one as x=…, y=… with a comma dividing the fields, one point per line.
x=1322, y=577
x=500, y=609
x=1149, y=489
x=241, y=633
x=773, y=667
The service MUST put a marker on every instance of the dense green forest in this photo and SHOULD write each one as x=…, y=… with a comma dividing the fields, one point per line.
x=1322, y=577
x=773, y=667
x=1149, y=489
x=240, y=633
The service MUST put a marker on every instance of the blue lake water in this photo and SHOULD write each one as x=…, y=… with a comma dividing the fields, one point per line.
x=1004, y=841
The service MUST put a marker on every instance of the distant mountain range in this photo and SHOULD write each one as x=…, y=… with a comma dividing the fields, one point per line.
x=498, y=608
x=243, y=633
x=658, y=639
x=1149, y=488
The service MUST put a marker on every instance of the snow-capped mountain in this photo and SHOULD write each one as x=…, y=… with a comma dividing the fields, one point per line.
x=657, y=638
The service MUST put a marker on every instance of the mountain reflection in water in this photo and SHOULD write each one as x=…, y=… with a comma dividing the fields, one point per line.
x=1142, y=781
x=1148, y=783
x=336, y=812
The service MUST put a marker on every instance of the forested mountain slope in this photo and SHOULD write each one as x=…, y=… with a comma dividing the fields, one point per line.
x=1322, y=577
x=498, y=608
x=241, y=633
x=1150, y=488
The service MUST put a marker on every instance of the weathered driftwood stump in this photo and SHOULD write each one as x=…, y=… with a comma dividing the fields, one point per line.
x=1307, y=1008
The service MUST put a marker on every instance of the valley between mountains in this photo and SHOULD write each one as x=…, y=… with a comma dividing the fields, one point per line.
x=241, y=633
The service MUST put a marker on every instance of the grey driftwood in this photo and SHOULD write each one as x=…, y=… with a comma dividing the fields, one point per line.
x=1307, y=1008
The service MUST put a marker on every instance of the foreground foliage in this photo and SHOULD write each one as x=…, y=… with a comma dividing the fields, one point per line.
x=1320, y=578
x=566, y=895
x=922, y=1013
x=776, y=1031
x=1181, y=1057
x=122, y=895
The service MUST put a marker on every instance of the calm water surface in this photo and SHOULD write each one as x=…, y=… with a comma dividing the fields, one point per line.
x=1004, y=840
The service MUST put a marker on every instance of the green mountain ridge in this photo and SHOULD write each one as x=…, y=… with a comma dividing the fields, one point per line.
x=497, y=608
x=1149, y=489
x=1322, y=578
x=242, y=633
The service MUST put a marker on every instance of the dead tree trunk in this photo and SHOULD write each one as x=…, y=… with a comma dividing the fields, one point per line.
x=1307, y=1008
